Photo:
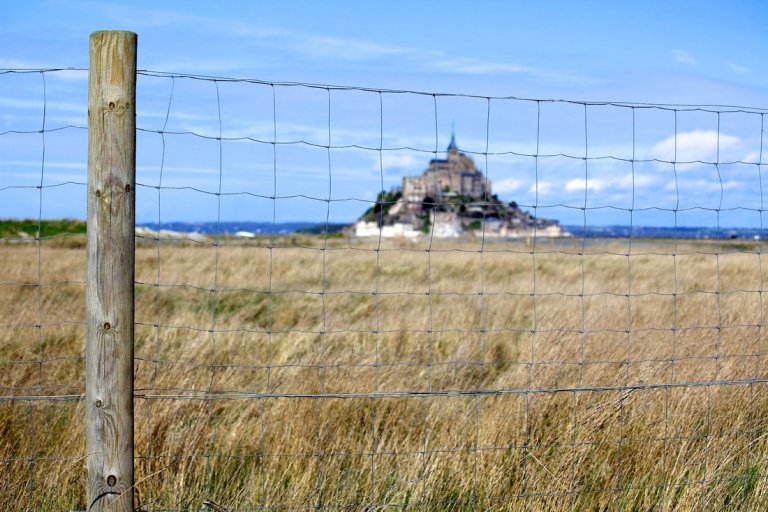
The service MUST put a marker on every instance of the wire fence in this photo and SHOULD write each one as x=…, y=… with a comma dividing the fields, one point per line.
x=298, y=370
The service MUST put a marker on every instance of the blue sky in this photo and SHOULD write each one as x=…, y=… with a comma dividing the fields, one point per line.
x=646, y=52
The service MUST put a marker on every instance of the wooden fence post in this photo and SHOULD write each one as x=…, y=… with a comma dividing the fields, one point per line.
x=110, y=270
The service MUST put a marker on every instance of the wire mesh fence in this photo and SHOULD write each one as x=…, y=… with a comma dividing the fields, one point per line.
x=497, y=369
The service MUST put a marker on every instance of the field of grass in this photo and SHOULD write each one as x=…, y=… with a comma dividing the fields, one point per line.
x=633, y=359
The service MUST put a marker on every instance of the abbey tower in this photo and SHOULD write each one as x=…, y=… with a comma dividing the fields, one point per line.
x=456, y=175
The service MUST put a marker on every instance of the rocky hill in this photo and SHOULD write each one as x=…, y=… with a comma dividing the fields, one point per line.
x=450, y=198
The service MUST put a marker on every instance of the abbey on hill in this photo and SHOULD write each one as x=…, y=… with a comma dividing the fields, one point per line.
x=452, y=197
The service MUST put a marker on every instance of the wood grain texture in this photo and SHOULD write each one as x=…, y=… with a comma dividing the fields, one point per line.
x=110, y=270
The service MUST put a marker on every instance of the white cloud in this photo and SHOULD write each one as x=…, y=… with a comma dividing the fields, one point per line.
x=614, y=183
x=398, y=161
x=507, y=185
x=596, y=184
x=706, y=186
x=345, y=49
x=318, y=46
x=48, y=164
x=694, y=146
x=740, y=69
x=732, y=185
x=684, y=57
x=541, y=187
x=176, y=115
x=6, y=63
x=38, y=104
x=476, y=67
x=308, y=44
x=471, y=66
x=636, y=181
x=179, y=169
x=200, y=66
x=68, y=75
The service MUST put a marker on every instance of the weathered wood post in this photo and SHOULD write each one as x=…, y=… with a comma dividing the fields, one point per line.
x=110, y=271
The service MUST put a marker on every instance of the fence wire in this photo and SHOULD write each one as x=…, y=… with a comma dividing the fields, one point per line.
x=300, y=370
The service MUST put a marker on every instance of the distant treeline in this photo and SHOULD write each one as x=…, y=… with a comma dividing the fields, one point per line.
x=31, y=228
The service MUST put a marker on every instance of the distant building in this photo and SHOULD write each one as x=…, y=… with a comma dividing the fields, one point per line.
x=451, y=198
x=454, y=175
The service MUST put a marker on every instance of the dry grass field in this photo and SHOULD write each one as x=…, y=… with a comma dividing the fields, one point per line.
x=612, y=346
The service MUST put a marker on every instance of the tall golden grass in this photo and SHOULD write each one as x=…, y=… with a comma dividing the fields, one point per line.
x=612, y=345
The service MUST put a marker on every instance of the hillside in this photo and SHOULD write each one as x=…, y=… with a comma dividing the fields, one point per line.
x=450, y=198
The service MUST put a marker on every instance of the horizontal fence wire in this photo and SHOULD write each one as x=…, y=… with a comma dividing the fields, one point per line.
x=321, y=369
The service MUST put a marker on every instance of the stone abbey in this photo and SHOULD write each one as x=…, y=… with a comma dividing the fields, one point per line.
x=454, y=175
x=451, y=198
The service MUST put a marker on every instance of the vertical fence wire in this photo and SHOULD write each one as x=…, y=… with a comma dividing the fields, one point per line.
x=32, y=389
x=473, y=372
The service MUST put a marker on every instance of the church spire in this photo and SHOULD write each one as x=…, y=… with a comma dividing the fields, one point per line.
x=452, y=146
